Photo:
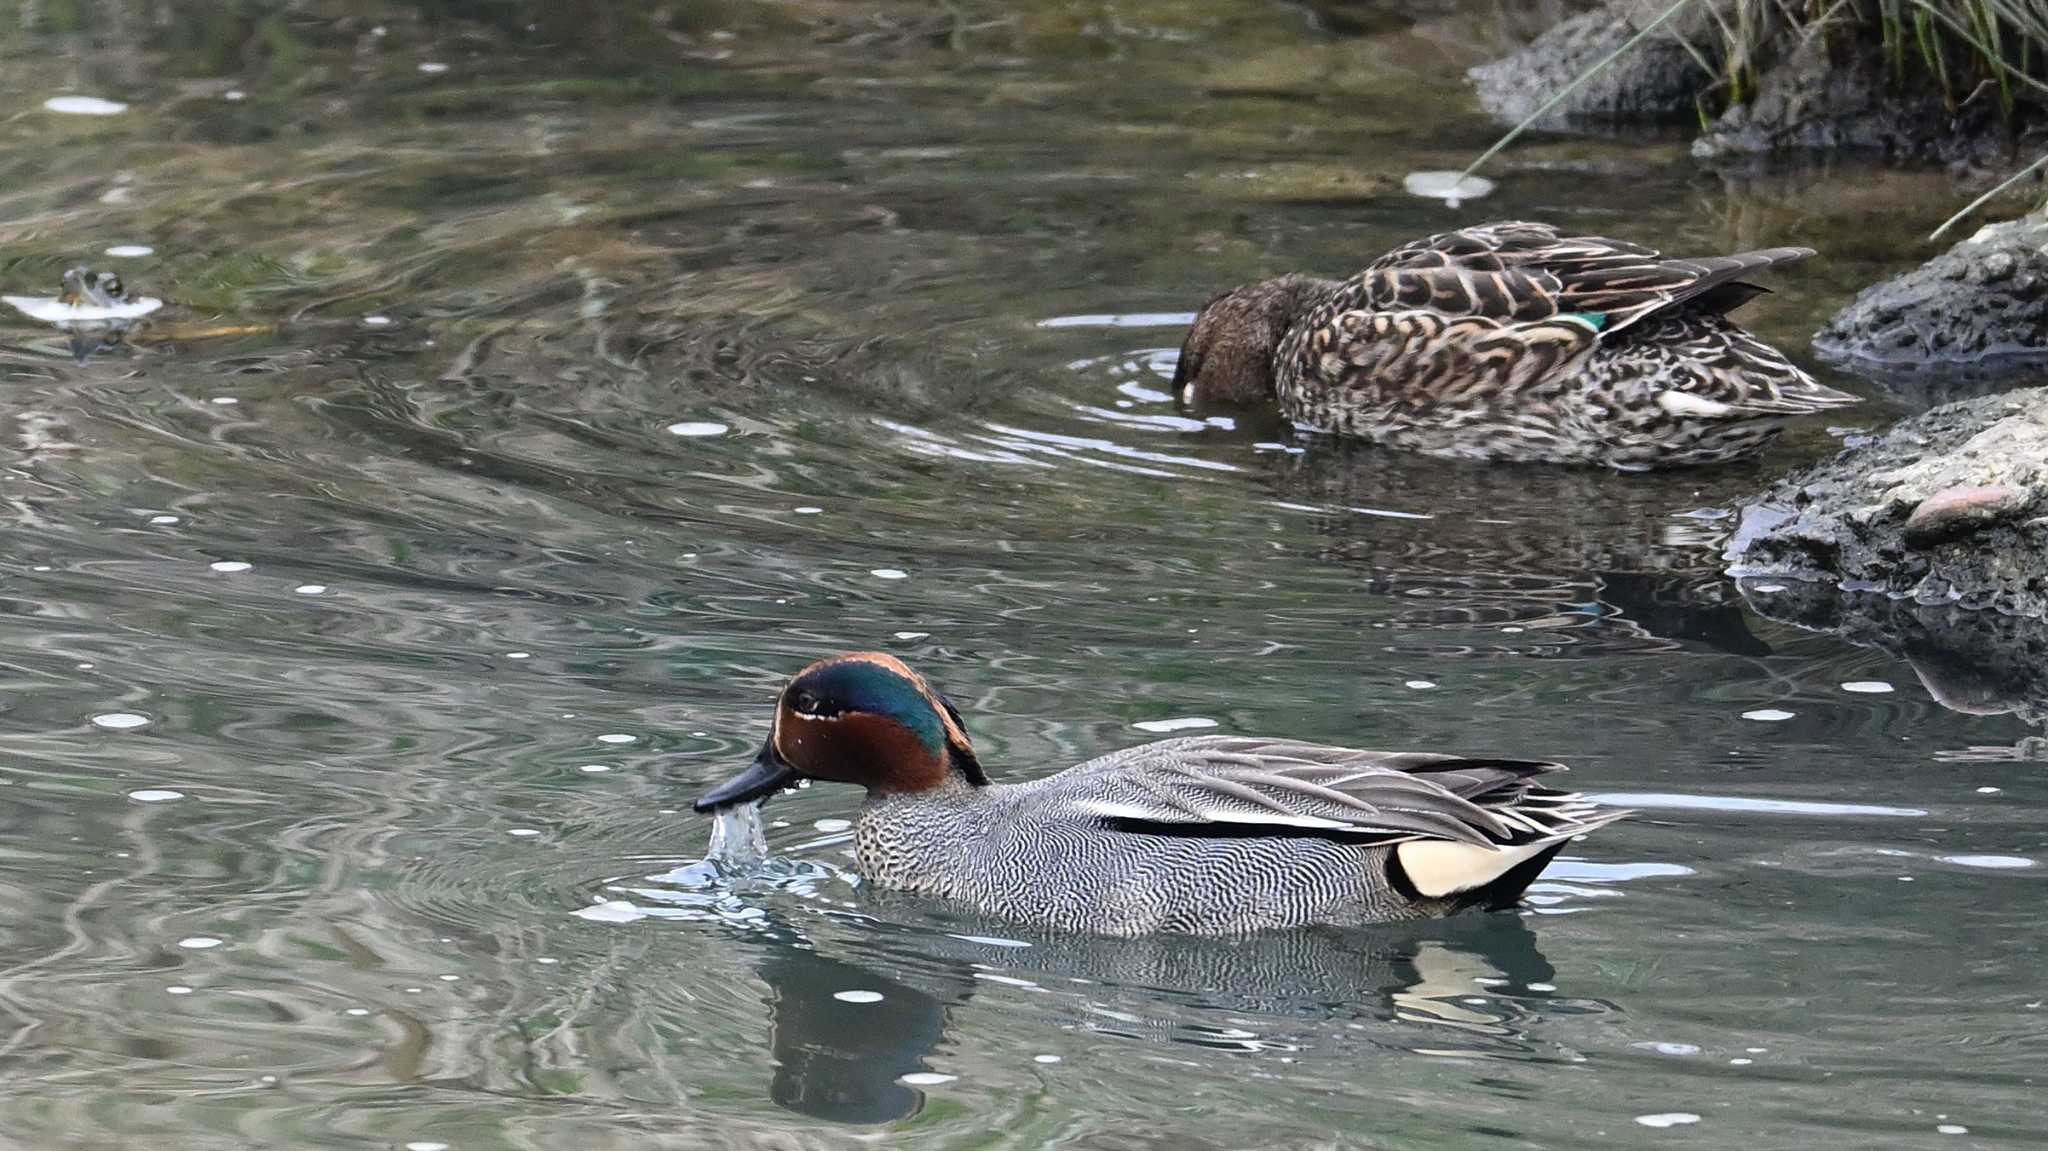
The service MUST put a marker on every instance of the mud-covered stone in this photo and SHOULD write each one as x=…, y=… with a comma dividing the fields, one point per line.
x=1947, y=509
x=1985, y=298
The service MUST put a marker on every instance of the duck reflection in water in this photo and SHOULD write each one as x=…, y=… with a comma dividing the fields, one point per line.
x=844, y=1034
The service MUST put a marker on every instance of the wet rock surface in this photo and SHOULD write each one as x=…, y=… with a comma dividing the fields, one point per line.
x=1984, y=300
x=1659, y=81
x=1947, y=510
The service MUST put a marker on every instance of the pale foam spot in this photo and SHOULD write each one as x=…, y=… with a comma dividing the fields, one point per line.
x=548, y=960
x=119, y=720
x=1988, y=790
x=523, y=832
x=425, y=1145
x=889, y=573
x=155, y=795
x=518, y=655
x=698, y=428
x=84, y=106
x=230, y=566
x=177, y=989
x=808, y=510
x=1453, y=188
x=1183, y=723
x=909, y=635
x=616, y=737
x=857, y=996
x=832, y=824
x=451, y=978
x=234, y=95
x=925, y=1078
x=198, y=942
x=1768, y=715
x=226, y=401
x=594, y=768
x=1543, y=987
x=1669, y=1048
x=1738, y=1061
x=1951, y=1129
x=310, y=589
x=1668, y=1119
x=163, y=520
x=130, y=251
x=433, y=67
x=1868, y=687
x=1419, y=684
x=1045, y=1059
x=357, y=1011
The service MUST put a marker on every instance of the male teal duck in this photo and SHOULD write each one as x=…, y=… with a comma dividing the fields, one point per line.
x=1512, y=341
x=1208, y=835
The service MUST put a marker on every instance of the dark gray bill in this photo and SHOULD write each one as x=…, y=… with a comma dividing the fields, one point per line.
x=763, y=778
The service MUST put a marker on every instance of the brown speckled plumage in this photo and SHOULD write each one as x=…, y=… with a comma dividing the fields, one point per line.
x=1512, y=341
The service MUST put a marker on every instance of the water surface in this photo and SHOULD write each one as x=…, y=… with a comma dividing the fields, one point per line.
x=514, y=425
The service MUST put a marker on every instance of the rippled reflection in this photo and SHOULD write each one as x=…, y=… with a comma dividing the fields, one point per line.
x=513, y=427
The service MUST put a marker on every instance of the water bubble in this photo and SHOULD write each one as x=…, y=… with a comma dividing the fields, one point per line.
x=1768, y=715
x=1952, y=1129
x=1988, y=790
x=198, y=942
x=1668, y=1119
x=1669, y=1048
x=832, y=824
x=357, y=1011
x=857, y=996
x=119, y=720
x=1184, y=723
x=523, y=832
x=377, y=321
x=518, y=655
x=594, y=768
x=234, y=95
x=616, y=737
x=425, y=1144
x=1738, y=1061
x=1868, y=687
x=229, y=566
x=910, y=635
x=698, y=428
x=889, y=573
x=84, y=106
x=925, y=1078
x=163, y=519
x=177, y=989
x=1045, y=1059
x=310, y=589
x=1419, y=684
x=130, y=251
x=226, y=401
x=155, y=795
x=451, y=978
x=808, y=510
x=433, y=68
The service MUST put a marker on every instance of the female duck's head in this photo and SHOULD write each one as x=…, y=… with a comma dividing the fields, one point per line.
x=865, y=718
x=1229, y=355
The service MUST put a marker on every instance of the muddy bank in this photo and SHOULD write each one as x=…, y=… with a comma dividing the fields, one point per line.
x=1982, y=302
x=1947, y=509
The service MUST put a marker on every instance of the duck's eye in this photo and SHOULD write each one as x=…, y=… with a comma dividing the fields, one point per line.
x=112, y=284
x=804, y=702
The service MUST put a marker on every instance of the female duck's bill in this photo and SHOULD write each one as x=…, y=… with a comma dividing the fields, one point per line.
x=863, y=718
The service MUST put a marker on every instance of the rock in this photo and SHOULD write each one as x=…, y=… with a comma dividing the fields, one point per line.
x=1832, y=94
x=1658, y=82
x=1980, y=300
x=1948, y=509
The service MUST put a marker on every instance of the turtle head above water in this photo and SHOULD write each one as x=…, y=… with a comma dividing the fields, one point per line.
x=862, y=718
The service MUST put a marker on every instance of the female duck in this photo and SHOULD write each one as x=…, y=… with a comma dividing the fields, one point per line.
x=1512, y=341
x=1214, y=834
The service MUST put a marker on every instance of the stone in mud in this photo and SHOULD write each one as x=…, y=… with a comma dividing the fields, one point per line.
x=1658, y=81
x=1986, y=297
x=1947, y=509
